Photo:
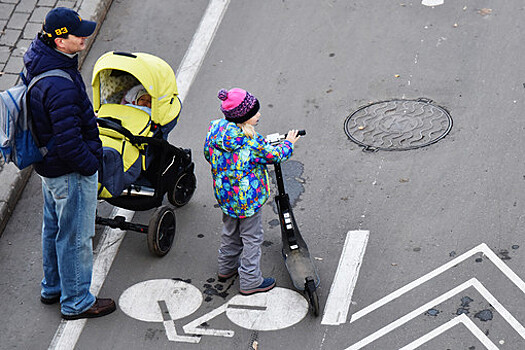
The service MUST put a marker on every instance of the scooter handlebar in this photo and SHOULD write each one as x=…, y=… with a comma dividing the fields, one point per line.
x=299, y=133
x=276, y=138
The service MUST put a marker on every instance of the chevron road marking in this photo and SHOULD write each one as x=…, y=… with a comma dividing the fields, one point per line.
x=473, y=282
x=482, y=248
x=445, y=327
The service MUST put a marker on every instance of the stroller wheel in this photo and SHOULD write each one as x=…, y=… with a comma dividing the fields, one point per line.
x=161, y=231
x=183, y=189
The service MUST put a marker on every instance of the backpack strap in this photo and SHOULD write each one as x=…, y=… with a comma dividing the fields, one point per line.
x=50, y=73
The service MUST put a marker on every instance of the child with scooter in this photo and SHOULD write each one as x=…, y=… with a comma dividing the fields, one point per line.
x=238, y=156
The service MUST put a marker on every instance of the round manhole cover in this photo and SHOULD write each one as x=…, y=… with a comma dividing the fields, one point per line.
x=398, y=125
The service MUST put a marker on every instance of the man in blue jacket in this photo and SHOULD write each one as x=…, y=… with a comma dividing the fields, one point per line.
x=64, y=121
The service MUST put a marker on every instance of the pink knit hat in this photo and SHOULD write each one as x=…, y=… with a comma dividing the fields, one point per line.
x=238, y=105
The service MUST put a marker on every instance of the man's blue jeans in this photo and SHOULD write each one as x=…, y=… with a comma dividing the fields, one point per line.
x=70, y=204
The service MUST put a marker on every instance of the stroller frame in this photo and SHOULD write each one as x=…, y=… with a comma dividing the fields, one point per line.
x=173, y=163
x=170, y=169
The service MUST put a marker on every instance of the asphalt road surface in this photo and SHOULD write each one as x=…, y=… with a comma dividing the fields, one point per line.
x=419, y=248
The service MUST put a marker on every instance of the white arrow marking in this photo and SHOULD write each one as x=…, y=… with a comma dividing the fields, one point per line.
x=340, y=296
x=473, y=282
x=482, y=248
x=193, y=327
x=445, y=327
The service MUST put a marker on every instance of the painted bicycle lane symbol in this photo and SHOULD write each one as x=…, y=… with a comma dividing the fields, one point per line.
x=166, y=300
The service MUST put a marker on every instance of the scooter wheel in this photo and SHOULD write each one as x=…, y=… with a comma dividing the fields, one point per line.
x=313, y=298
x=161, y=231
x=314, y=302
x=182, y=190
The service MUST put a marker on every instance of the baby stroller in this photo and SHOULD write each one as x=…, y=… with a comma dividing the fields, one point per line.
x=139, y=165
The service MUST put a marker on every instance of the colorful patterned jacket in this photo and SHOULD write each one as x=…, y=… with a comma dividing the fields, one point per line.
x=238, y=166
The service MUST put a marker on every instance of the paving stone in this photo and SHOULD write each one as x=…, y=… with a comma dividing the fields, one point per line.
x=6, y=10
x=26, y=6
x=39, y=14
x=31, y=30
x=18, y=20
x=3, y=23
x=50, y=3
x=5, y=52
x=66, y=3
x=14, y=65
x=21, y=48
x=7, y=81
x=10, y=1
x=10, y=37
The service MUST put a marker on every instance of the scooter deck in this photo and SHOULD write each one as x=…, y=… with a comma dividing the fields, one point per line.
x=300, y=266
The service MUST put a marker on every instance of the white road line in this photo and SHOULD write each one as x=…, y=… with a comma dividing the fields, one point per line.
x=68, y=332
x=482, y=248
x=192, y=61
x=473, y=282
x=338, y=302
x=445, y=327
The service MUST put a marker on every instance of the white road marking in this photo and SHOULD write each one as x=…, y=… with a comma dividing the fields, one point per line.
x=193, y=327
x=68, y=332
x=340, y=296
x=473, y=282
x=140, y=301
x=445, y=327
x=192, y=61
x=432, y=2
x=482, y=248
x=172, y=335
x=277, y=309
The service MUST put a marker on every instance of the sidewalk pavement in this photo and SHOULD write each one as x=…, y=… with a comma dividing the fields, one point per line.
x=20, y=21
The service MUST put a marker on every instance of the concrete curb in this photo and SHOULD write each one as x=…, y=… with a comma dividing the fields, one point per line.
x=12, y=180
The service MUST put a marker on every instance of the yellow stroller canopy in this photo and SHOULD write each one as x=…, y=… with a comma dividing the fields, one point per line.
x=116, y=72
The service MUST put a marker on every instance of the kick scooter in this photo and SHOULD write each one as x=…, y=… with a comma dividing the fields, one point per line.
x=296, y=256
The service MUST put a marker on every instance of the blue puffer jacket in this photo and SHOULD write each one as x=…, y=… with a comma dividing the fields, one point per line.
x=62, y=113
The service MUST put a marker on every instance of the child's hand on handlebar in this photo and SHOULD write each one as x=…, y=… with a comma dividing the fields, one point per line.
x=292, y=136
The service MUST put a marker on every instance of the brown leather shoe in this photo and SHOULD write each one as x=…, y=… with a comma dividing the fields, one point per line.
x=102, y=307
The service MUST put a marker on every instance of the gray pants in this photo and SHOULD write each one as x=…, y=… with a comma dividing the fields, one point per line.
x=241, y=249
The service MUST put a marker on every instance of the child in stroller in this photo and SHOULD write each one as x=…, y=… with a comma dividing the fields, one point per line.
x=139, y=165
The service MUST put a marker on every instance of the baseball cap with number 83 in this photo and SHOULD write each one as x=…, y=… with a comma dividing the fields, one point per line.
x=63, y=20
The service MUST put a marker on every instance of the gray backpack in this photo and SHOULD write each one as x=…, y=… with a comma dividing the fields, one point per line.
x=17, y=139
